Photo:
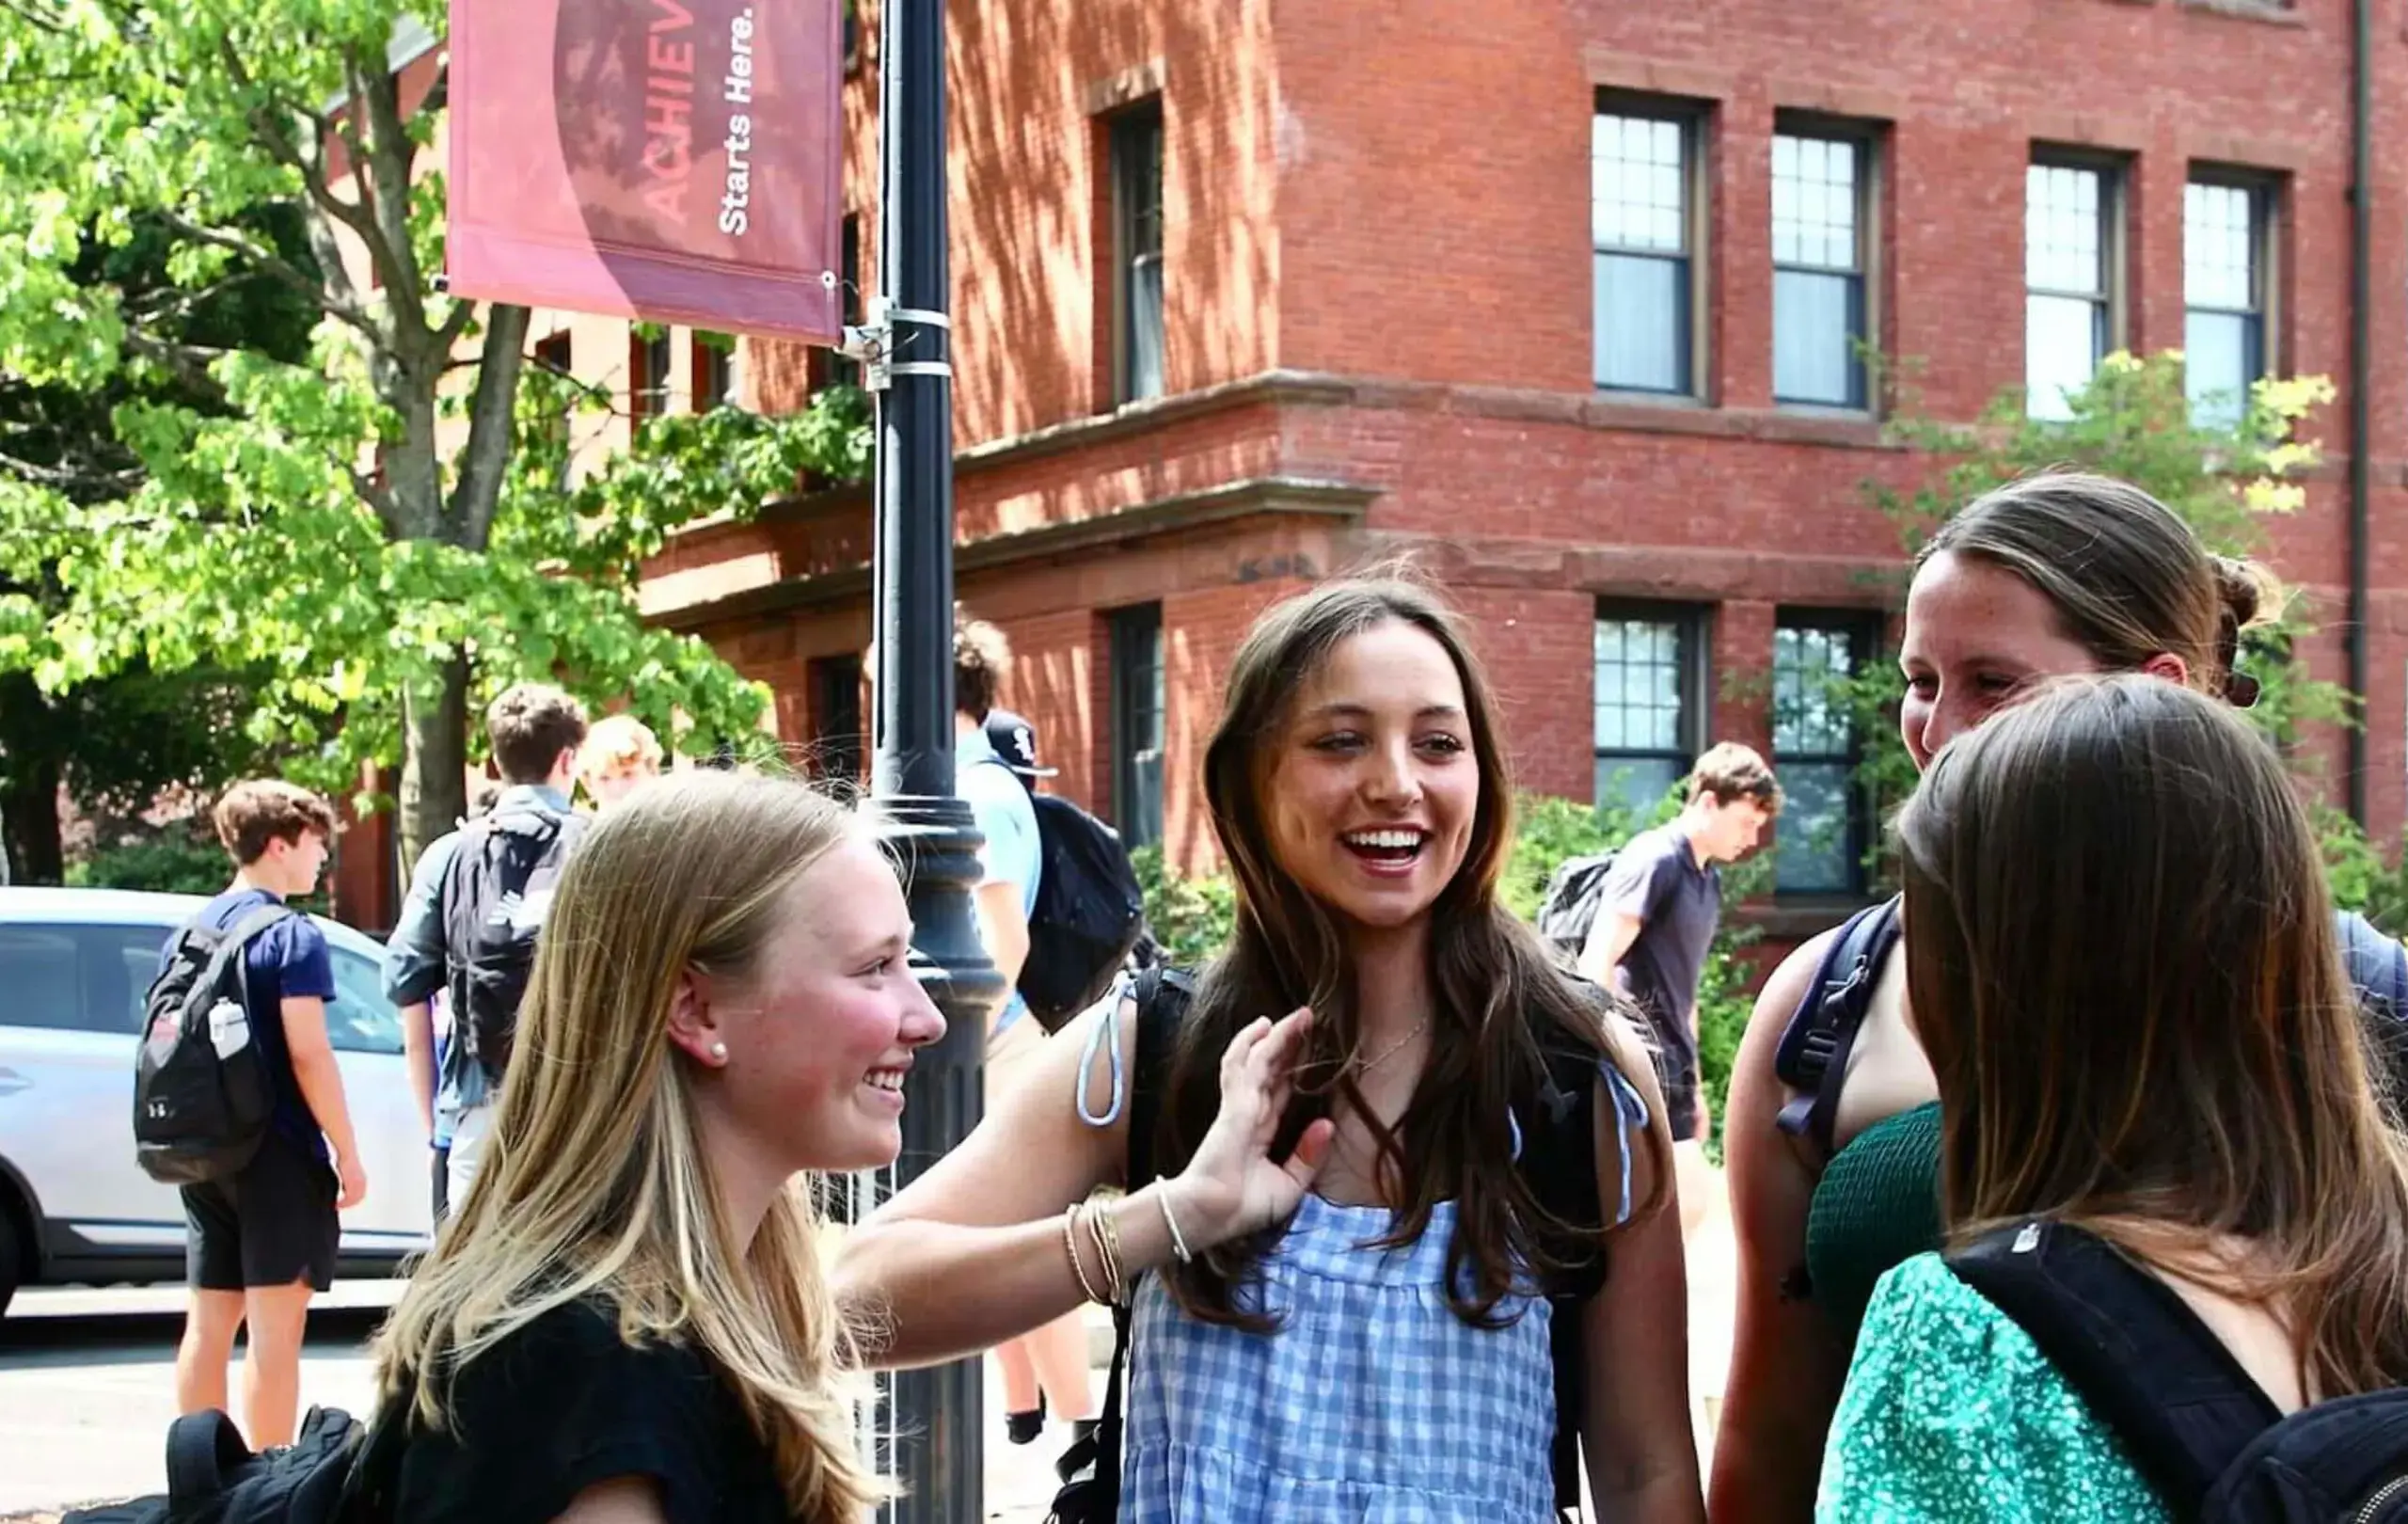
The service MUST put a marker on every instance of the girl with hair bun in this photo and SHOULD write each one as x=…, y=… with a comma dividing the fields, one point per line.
x=1834, y=1123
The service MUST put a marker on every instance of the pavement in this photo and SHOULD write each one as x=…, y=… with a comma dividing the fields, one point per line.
x=86, y=1386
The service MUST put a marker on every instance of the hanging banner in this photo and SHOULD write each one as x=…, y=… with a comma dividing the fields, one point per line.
x=676, y=161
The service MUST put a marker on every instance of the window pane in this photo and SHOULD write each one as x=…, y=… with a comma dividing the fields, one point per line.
x=359, y=1018
x=1643, y=679
x=1642, y=323
x=2220, y=247
x=2064, y=247
x=1810, y=715
x=38, y=971
x=2219, y=361
x=2064, y=340
x=1137, y=690
x=1638, y=197
x=1815, y=203
x=1812, y=851
x=1817, y=321
x=1637, y=783
x=1145, y=327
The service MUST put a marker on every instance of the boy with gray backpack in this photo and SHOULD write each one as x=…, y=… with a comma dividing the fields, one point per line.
x=469, y=927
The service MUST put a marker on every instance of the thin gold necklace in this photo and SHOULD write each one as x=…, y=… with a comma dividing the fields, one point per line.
x=1394, y=1048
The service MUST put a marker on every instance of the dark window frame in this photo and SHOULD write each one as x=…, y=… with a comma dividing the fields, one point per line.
x=1866, y=140
x=1133, y=135
x=2111, y=296
x=2265, y=192
x=837, y=753
x=1692, y=312
x=1140, y=687
x=1861, y=629
x=1692, y=628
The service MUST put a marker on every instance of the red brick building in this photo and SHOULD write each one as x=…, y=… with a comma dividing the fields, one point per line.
x=1560, y=297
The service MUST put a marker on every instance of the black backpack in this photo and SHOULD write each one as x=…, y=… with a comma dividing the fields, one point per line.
x=333, y=1472
x=1569, y=911
x=1813, y=1056
x=1558, y=1161
x=493, y=898
x=1088, y=915
x=201, y=1092
x=2204, y=1435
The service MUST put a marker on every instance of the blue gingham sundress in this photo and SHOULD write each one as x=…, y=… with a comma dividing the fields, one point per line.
x=1372, y=1403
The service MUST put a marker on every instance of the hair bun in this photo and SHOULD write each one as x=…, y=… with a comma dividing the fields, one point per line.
x=2245, y=588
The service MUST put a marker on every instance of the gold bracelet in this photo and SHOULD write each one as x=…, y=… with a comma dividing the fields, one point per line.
x=1070, y=1242
x=1177, y=1239
x=1106, y=1233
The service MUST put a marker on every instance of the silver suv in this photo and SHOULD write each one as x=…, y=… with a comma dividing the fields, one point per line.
x=74, y=964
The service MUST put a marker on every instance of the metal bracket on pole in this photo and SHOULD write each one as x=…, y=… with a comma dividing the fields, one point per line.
x=874, y=343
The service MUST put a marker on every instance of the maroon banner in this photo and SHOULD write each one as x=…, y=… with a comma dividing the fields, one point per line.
x=676, y=161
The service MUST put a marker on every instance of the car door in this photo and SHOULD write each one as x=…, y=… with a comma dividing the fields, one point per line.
x=366, y=1031
x=69, y=1009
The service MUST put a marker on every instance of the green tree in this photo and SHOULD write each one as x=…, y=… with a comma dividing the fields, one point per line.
x=378, y=527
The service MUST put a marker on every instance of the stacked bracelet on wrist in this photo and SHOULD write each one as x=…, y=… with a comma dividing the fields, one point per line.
x=1105, y=1229
x=1070, y=1243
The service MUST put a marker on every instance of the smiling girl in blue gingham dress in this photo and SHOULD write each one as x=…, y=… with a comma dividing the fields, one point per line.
x=1343, y=1259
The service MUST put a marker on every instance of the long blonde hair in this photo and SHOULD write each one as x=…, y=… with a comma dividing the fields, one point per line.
x=595, y=1184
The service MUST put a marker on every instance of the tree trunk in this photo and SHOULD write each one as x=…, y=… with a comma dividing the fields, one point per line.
x=29, y=810
x=434, y=761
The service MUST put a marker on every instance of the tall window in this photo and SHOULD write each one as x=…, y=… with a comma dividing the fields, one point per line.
x=1824, y=826
x=1137, y=694
x=714, y=371
x=2069, y=227
x=836, y=717
x=648, y=372
x=1137, y=249
x=1818, y=299
x=1642, y=169
x=2225, y=245
x=1648, y=711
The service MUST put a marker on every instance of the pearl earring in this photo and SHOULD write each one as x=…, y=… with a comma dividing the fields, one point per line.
x=719, y=1052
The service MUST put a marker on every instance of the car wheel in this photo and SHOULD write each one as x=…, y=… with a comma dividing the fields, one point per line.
x=11, y=1258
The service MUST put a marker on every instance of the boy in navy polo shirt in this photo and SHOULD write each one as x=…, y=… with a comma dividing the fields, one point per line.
x=259, y=1244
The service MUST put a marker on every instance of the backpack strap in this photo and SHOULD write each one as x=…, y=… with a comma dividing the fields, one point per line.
x=1559, y=1163
x=230, y=947
x=204, y=1449
x=2140, y=1358
x=1812, y=1059
x=1161, y=996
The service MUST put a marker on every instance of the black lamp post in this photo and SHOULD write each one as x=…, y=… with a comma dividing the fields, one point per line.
x=934, y=1419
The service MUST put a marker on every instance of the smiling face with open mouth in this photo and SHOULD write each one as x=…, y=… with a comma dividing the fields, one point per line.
x=1373, y=788
x=821, y=1037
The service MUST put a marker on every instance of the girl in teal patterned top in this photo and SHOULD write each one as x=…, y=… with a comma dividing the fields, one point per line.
x=2054, y=574
x=2187, y=1078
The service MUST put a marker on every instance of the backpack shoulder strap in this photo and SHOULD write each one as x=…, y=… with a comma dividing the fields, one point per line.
x=228, y=953
x=2124, y=1340
x=1162, y=996
x=1559, y=1163
x=1812, y=1059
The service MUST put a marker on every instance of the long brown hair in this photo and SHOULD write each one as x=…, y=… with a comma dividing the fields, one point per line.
x=2189, y=1067
x=2129, y=579
x=1501, y=1002
x=598, y=1186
